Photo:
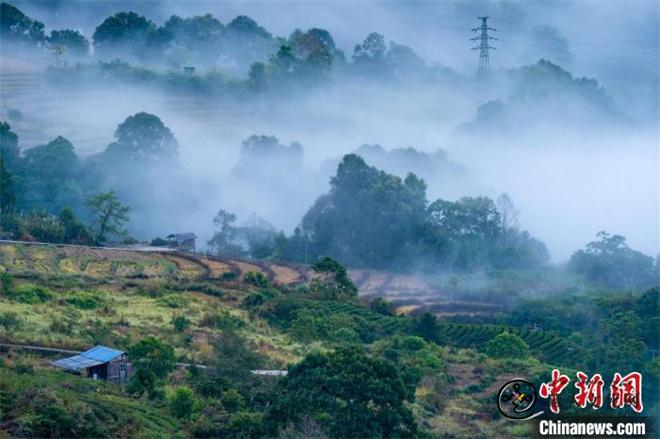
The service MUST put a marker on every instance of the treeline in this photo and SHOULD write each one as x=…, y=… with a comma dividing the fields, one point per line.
x=240, y=46
x=374, y=219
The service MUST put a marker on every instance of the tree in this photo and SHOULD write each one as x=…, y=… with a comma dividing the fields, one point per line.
x=7, y=199
x=624, y=349
x=223, y=240
x=471, y=226
x=508, y=213
x=16, y=26
x=381, y=306
x=258, y=76
x=610, y=262
x=49, y=177
x=247, y=42
x=182, y=402
x=9, y=150
x=143, y=139
x=124, y=30
x=71, y=40
x=371, y=50
x=369, y=217
x=427, y=327
x=507, y=345
x=348, y=393
x=152, y=361
x=111, y=215
x=335, y=281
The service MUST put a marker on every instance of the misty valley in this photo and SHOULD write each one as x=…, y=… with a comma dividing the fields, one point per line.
x=329, y=220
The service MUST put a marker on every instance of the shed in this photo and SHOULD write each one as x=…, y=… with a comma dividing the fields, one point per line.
x=182, y=241
x=99, y=362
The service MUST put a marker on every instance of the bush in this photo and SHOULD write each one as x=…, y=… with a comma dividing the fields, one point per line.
x=29, y=293
x=222, y=320
x=381, y=306
x=182, y=403
x=506, y=345
x=245, y=425
x=232, y=400
x=85, y=300
x=172, y=301
x=9, y=320
x=229, y=276
x=255, y=278
x=181, y=323
x=6, y=283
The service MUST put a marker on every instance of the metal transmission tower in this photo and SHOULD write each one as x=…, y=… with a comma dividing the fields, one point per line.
x=484, y=47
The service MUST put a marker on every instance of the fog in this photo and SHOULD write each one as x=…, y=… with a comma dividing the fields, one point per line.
x=574, y=164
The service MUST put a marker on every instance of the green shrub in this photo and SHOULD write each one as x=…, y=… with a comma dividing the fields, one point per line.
x=85, y=300
x=172, y=301
x=29, y=293
x=222, y=320
x=6, y=282
x=232, y=400
x=10, y=320
x=181, y=323
x=506, y=345
x=245, y=425
x=255, y=278
x=153, y=290
x=229, y=276
x=182, y=403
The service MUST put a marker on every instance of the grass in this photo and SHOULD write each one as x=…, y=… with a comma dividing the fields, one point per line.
x=31, y=398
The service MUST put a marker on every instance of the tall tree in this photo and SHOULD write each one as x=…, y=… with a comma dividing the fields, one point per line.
x=111, y=215
x=49, y=177
x=368, y=218
x=126, y=33
x=143, y=139
x=9, y=150
x=7, y=199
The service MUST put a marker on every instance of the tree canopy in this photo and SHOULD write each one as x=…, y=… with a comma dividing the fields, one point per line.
x=347, y=393
x=609, y=262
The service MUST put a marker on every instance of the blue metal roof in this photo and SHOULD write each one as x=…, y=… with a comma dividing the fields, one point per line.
x=92, y=357
x=102, y=353
x=76, y=362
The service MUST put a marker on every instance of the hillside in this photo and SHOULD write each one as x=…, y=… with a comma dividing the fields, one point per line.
x=74, y=297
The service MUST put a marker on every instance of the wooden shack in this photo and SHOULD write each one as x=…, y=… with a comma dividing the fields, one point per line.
x=99, y=363
x=182, y=241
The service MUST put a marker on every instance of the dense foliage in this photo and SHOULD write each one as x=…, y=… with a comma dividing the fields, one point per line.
x=374, y=219
x=347, y=393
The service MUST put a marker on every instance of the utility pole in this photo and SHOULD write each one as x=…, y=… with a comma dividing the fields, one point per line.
x=483, y=47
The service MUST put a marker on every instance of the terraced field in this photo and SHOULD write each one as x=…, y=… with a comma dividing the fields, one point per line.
x=96, y=262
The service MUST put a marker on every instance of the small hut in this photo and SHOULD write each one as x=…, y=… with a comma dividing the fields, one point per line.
x=99, y=363
x=182, y=241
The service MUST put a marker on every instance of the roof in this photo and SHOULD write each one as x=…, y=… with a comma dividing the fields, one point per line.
x=92, y=357
x=181, y=236
x=102, y=353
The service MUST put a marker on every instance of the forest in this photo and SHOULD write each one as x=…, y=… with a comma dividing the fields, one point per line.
x=399, y=235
